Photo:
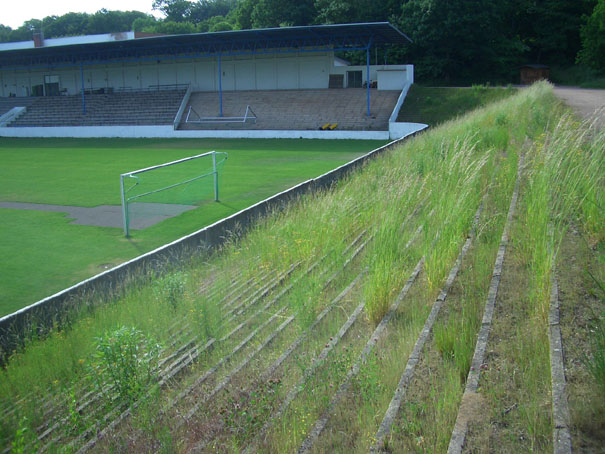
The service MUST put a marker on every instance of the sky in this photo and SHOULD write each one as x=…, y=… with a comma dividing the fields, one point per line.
x=14, y=13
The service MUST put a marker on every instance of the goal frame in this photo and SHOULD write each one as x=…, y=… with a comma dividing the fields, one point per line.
x=126, y=200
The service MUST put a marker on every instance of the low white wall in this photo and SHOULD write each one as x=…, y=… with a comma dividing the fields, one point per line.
x=181, y=111
x=400, y=100
x=391, y=79
x=11, y=115
x=399, y=130
x=167, y=131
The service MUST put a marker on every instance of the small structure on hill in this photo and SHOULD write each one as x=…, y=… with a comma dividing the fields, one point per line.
x=533, y=73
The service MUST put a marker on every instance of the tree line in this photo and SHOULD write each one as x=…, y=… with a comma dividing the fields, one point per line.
x=453, y=40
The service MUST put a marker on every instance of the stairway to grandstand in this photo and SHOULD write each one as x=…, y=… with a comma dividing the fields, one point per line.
x=296, y=109
x=158, y=107
x=7, y=104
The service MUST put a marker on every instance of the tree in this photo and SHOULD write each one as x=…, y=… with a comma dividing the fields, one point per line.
x=206, y=9
x=593, y=39
x=174, y=10
x=549, y=28
x=104, y=21
x=276, y=13
x=458, y=40
x=5, y=32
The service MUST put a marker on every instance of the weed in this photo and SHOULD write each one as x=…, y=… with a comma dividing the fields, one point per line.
x=368, y=381
x=127, y=360
x=171, y=288
x=20, y=442
x=595, y=361
x=246, y=414
x=75, y=422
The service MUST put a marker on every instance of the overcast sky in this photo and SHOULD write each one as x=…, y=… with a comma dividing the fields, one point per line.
x=14, y=13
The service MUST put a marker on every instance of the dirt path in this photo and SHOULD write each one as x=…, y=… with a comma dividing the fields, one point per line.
x=584, y=101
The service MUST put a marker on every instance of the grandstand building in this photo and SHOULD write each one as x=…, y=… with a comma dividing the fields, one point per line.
x=282, y=82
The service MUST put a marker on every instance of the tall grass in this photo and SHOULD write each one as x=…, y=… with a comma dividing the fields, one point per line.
x=565, y=184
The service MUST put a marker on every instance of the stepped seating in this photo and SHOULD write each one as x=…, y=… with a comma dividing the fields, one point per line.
x=7, y=104
x=297, y=109
x=111, y=109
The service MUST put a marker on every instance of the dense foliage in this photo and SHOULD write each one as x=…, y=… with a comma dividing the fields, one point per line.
x=457, y=41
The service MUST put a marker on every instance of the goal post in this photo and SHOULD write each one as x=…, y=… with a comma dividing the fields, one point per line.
x=165, y=189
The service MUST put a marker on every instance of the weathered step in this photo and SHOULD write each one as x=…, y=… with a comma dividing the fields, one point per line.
x=472, y=382
x=395, y=404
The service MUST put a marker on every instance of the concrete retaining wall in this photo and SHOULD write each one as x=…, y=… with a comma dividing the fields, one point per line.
x=53, y=310
x=167, y=131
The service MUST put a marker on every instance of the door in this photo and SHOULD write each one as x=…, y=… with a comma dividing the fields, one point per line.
x=354, y=79
x=51, y=85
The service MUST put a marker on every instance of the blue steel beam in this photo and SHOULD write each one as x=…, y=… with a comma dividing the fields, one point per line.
x=182, y=57
x=162, y=51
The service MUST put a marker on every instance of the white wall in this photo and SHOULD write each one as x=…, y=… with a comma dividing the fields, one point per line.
x=283, y=71
x=405, y=73
x=169, y=132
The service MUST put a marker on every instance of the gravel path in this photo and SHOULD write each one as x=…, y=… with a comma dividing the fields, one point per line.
x=584, y=101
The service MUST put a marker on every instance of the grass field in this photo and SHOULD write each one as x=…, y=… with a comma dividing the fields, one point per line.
x=47, y=253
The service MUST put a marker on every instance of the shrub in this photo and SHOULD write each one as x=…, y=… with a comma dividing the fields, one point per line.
x=127, y=360
x=171, y=288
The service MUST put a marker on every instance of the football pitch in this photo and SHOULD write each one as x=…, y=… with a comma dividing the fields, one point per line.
x=43, y=251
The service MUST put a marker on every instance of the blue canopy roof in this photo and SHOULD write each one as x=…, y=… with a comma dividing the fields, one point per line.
x=240, y=42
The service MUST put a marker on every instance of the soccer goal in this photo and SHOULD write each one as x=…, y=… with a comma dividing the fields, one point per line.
x=159, y=192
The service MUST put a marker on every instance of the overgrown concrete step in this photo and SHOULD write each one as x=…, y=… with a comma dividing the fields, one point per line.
x=264, y=309
x=561, y=435
x=291, y=348
x=310, y=371
x=322, y=422
x=460, y=430
x=189, y=356
x=408, y=373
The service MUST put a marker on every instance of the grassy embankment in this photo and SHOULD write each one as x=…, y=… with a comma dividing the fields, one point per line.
x=279, y=355
x=435, y=105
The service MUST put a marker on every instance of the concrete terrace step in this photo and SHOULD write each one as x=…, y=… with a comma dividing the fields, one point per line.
x=131, y=108
x=297, y=109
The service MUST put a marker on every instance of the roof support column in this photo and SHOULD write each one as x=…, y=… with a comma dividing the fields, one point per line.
x=368, y=73
x=82, y=83
x=220, y=86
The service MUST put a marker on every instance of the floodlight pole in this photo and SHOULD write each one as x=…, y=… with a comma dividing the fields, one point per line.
x=215, y=176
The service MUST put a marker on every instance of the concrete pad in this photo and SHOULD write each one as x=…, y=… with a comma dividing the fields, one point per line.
x=142, y=215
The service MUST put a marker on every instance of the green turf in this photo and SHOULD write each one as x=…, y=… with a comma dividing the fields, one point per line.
x=435, y=105
x=43, y=253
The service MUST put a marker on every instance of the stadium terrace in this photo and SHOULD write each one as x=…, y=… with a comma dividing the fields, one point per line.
x=265, y=83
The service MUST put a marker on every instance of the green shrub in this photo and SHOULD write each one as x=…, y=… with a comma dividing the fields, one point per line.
x=127, y=360
x=171, y=288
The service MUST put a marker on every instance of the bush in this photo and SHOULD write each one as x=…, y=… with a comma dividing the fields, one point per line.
x=171, y=288
x=127, y=360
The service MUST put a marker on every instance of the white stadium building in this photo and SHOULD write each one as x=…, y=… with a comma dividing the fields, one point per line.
x=281, y=82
